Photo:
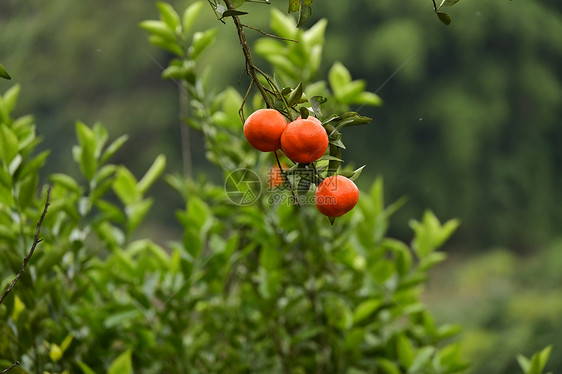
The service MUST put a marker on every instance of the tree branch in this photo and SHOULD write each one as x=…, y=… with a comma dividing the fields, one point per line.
x=36, y=241
x=10, y=368
x=251, y=68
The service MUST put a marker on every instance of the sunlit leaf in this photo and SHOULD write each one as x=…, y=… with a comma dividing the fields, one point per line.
x=158, y=28
x=202, y=40
x=8, y=144
x=190, y=15
x=122, y=364
x=169, y=15
x=152, y=174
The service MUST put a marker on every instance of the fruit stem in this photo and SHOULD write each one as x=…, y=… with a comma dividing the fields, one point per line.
x=250, y=67
x=286, y=179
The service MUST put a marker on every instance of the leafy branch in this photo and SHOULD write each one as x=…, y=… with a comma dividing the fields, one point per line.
x=250, y=66
x=36, y=241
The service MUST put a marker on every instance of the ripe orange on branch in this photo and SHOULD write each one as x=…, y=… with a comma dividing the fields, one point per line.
x=336, y=195
x=304, y=140
x=263, y=129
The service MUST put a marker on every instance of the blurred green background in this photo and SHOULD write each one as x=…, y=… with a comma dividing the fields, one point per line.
x=469, y=128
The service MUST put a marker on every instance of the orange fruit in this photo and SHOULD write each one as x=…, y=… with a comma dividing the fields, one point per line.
x=304, y=140
x=336, y=195
x=263, y=129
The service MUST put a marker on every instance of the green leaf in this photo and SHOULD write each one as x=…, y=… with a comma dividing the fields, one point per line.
x=270, y=257
x=125, y=186
x=304, y=14
x=316, y=103
x=296, y=95
x=353, y=339
x=152, y=174
x=283, y=25
x=368, y=98
x=122, y=364
x=331, y=158
x=538, y=361
x=10, y=98
x=304, y=112
x=357, y=173
x=388, y=367
x=365, y=309
x=177, y=72
x=15, y=164
x=446, y=331
x=420, y=361
x=338, y=143
x=544, y=355
x=315, y=35
x=202, y=40
x=444, y=17
x=524, y=363
x=405, y=351
x=166, y=44
x=158, y=28
x=85, y=368
x=33, y=166
x=232, y=12
x=448, y=3
x=430, y=234
x=8, y=144
x=86, y=151
x=3, y=73
x=339, y=77
x=55, y=352
x=113, y=147
x=169, y=15
x=294, y=5
x=136, y=213
x=100, y=136
x=190, y=15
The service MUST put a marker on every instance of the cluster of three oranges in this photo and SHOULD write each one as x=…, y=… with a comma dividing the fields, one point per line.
x=303, y=140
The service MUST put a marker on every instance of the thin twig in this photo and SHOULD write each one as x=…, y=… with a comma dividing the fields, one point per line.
x=36, y=241
x=270, y=35
x=286, y=179
x=248, y=55
x=241, y=110
x=10, y=368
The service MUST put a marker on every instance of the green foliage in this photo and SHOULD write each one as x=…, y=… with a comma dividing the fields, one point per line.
x=260, y=288
x=83, y=227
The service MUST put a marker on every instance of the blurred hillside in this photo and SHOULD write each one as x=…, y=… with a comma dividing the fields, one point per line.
x=470, y=126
